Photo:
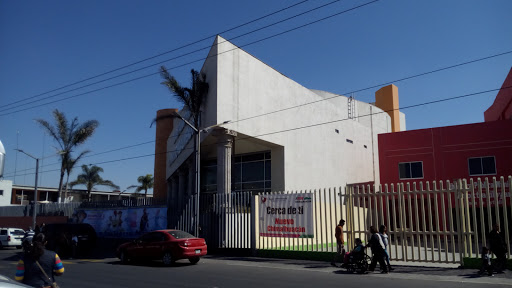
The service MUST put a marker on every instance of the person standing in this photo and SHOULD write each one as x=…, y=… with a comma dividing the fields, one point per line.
x=498, y=248
x=36, y=262
x=340, y=243
x=486, y=262
x=74, y=243
x=377, y=250
x=383, y=233
x=29, y=234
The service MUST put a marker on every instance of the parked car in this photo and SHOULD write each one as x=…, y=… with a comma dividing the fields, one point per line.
x=11, y=237
x=166, y=245
x=58, y=236
x=6, y=282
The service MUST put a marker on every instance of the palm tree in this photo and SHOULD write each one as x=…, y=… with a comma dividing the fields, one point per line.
x=192, y=98
x=68, y=136
x=70, y=165
x=146, y=182
x=90, y=177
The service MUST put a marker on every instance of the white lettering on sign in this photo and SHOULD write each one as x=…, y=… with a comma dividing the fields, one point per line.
x=286, y=215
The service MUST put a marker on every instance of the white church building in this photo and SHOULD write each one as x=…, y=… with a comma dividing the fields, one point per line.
x=281, y=135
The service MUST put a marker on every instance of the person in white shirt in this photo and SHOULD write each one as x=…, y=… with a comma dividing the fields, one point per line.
x=377, y=247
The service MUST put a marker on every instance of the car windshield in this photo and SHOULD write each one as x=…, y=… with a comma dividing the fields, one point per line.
x=180, y=234
x=18, y=232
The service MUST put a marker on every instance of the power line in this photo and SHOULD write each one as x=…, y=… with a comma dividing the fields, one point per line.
x=324, y=99
x=160, y=54
x=178, y=66
x=100, y=153
x=164, y=61
x=379, y=85
x=311, y=125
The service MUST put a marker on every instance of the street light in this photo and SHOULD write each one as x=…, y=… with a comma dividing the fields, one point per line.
x=35, y=186
x=198, y=163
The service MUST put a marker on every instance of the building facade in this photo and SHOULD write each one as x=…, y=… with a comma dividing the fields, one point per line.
x=280, y=136
x=476, y=150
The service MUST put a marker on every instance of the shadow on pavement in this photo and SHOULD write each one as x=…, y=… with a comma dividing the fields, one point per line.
x=153, y=264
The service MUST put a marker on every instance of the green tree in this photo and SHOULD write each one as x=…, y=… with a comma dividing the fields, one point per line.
x=70, y=165
x=146, y=182
x=192, y=98
x=68, y=136
x=90, y=177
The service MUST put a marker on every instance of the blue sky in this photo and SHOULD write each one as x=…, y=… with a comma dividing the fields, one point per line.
x=48, y=44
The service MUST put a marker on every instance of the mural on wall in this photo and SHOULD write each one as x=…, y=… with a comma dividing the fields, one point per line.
x=123, y=222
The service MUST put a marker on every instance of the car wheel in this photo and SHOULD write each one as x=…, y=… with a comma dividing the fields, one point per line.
x=194, y=260
x=167, y=259
x=124, y=258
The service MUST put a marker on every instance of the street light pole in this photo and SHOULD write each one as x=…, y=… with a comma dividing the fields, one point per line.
x=198, y=165
x=35, y=187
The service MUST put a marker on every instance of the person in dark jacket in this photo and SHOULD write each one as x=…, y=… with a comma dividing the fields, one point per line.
x=377, y=250
x=27, y=270
x=498, y=248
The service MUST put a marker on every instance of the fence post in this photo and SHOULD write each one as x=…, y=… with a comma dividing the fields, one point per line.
x=254, y=216
x=459, y=219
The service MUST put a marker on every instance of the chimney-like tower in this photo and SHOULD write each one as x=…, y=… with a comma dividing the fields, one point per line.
x=164, y=126
x=386, y=98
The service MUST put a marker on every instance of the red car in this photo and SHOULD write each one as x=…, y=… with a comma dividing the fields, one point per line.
x=165, y=245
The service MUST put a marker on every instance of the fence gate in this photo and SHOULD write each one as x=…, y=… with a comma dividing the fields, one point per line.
x=440, y=222
x=224, y=219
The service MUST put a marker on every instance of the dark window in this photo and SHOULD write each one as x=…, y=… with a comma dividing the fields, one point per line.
x=268, y=170
x=253, y=157
x=410, y=170
x=252, y=171
x=257, y=186
x=3, y=232
x=350, y=141
x=236, y=174
x=482, y=166
x=1, y=192
x=180, y=234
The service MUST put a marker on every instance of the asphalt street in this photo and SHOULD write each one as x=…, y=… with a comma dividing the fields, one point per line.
x=213, y=271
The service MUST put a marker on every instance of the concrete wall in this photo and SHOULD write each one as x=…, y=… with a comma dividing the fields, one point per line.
x=317, y=156
x=6, y=187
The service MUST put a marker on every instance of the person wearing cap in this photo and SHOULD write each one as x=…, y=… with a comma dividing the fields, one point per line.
x=340, y=243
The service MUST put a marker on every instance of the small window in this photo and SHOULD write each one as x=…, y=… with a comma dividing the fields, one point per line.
x=1, y=192
x=482, y=166
x=410, y=170
x=3, y=232
x=350, y=141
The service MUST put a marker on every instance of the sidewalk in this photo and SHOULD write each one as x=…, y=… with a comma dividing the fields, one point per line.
x=402, y=270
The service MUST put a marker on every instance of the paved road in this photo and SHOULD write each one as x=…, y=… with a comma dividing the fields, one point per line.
x=252, y=272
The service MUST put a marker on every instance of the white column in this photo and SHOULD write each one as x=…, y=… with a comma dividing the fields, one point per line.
x=225, y=140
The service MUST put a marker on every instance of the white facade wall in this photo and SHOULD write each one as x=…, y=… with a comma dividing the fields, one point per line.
x=6, y=187
x=313, y=157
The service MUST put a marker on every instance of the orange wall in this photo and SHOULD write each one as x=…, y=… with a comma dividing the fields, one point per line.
x=386, y=98
x=164, y=126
